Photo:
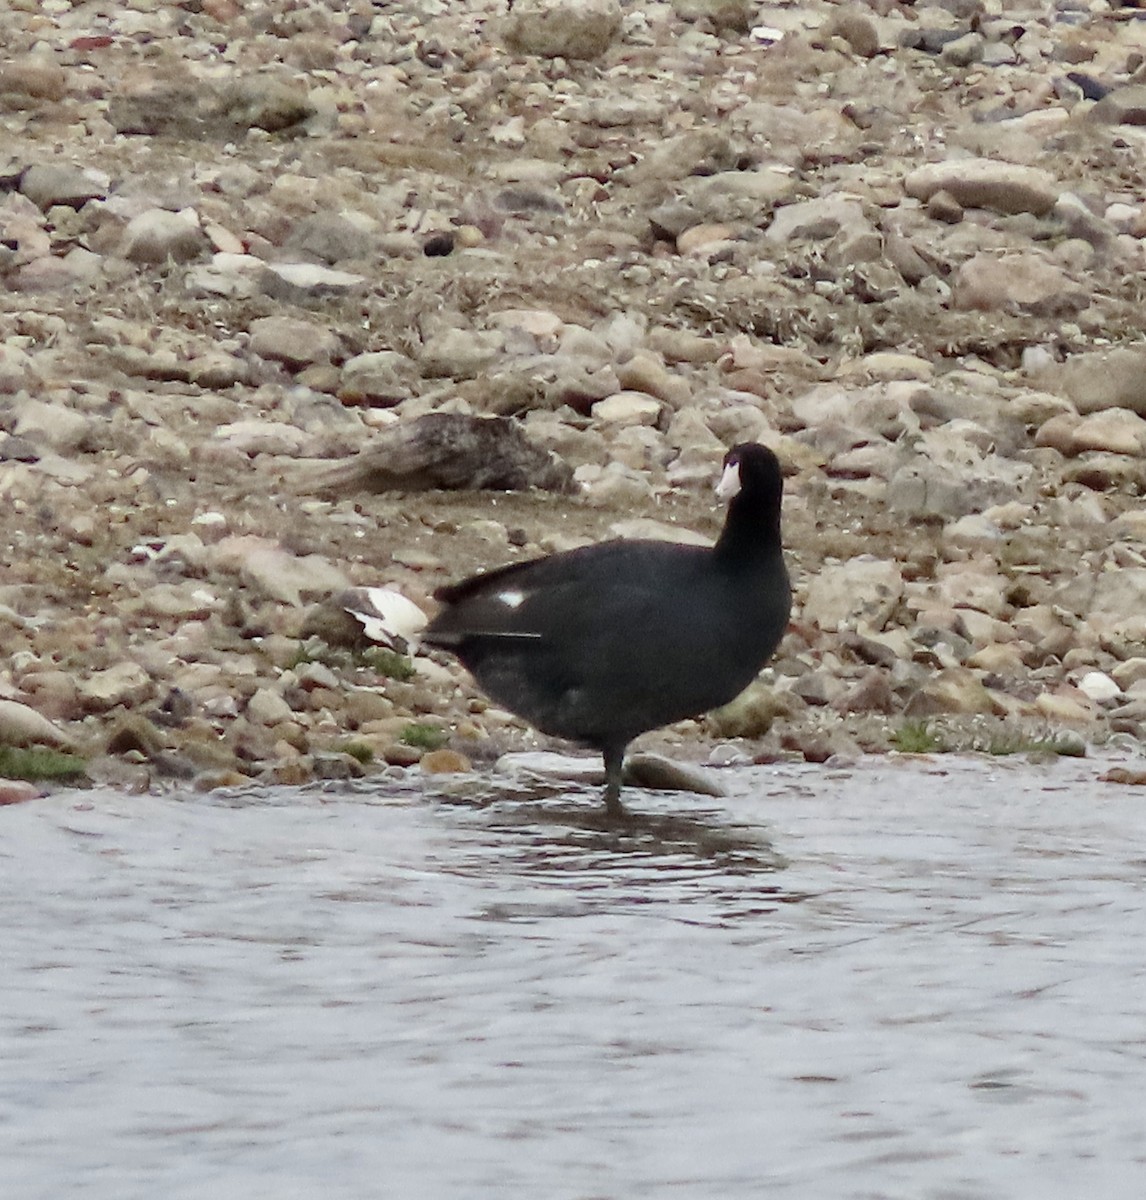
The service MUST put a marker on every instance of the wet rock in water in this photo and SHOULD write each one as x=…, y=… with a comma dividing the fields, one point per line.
x=1128, y=776
x=648, y=770
x=16, y=791
x=547, y=765
x=449, y=451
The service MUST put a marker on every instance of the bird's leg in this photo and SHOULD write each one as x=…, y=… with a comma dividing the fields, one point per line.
x=614, y=761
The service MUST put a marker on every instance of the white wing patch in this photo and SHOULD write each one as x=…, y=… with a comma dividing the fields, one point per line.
x=511, y=599
x=386, y=617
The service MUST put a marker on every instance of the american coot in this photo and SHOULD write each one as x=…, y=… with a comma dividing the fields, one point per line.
x=603, y=643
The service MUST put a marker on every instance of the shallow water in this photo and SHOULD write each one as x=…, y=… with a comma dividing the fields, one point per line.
x=909, y=979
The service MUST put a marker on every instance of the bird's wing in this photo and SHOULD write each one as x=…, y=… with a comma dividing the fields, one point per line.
x=546, y=598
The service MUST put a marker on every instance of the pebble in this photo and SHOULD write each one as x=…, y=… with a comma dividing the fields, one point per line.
x=268, y=708
x=124, y=685
x=51, y=184
x=649, y=258
x=292, y=341
x=156, y=236
x=444, y=762
x=627, y=408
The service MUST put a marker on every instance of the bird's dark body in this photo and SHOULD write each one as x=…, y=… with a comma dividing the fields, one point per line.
x=601, y=644
x=613, y=640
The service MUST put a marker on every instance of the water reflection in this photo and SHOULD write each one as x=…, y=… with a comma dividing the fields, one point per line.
x=934, y=990
x=667, y=852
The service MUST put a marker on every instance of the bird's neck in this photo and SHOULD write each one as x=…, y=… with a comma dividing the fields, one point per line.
x=748, y=536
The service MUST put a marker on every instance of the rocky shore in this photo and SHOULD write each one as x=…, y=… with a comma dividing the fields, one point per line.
x=243, y=243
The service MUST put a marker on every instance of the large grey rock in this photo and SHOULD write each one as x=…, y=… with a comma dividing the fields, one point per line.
x=381, y=377
x=54, y=425
x=272, y=572
x=1099, y=379
x=986, y=183
x=1121, y=106
x=577, y=29
x=292, y=341
x=460, y=353
x=308, y=283
x=817, y=219
x=49, y=184
x=1023, y=283
x=861, y=591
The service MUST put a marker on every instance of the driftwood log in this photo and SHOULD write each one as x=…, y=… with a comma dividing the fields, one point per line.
x=449, y=451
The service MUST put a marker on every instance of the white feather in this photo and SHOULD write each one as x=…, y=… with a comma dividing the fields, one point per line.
x=387, y=617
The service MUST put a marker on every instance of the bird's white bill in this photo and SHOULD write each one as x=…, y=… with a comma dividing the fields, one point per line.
x=729, y=483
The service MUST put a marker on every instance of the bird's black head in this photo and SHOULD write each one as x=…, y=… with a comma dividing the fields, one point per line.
x=753, y=469
x=753, y=484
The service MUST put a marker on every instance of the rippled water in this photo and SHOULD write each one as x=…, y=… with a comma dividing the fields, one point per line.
x=903, y=980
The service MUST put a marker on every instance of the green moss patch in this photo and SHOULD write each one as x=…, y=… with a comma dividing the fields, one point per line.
x=424, y=736
x=37, y=764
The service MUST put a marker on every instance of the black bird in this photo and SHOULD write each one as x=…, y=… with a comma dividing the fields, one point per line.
x=600, y=644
